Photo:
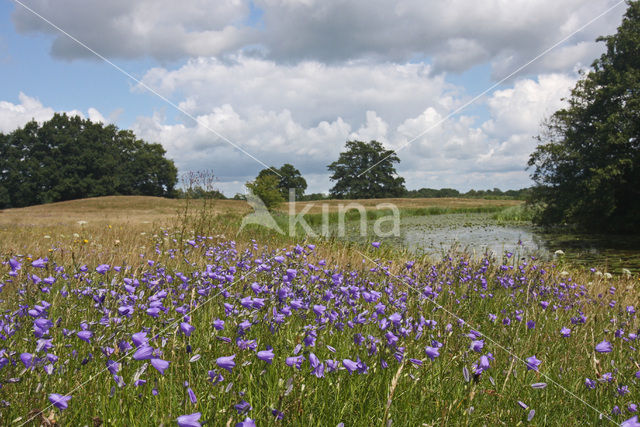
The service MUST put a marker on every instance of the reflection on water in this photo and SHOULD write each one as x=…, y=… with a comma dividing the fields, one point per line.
x=478, y=233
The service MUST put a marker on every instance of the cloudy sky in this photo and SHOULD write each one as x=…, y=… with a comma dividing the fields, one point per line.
x=457, y=87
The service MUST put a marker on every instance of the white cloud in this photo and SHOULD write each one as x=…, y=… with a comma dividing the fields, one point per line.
x=13, y=116
x=312, y=91
x=521, y=108
x=163, y=29
x=279, y=129
x=457, y=34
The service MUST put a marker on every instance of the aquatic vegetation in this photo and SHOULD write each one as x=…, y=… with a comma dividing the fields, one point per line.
x=255, y=335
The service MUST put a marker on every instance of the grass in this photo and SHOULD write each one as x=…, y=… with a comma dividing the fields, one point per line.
x=195, y=256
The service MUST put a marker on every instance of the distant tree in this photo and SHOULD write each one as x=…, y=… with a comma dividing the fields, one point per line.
x=266, y=188
x=70, y=158
x=587, y=166
x=198, y=192
x=315, y=196
x=380, y=181
x=288, y=177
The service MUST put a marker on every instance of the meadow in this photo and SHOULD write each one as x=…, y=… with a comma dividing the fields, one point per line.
x=147, y=311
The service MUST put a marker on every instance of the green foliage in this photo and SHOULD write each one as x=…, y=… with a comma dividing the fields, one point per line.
x=266, y=188
x=495, y=194
x=520, y=213
x=198, y=192
x=587, y=165
x=381, y=181
x=70, y=158
x=288, y=177
x=315, y=196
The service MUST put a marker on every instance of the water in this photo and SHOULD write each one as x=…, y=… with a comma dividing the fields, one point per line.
x=480, y=233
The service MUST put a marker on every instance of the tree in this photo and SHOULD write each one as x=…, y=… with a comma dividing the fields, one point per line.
x=266, y=189
x=366, y=170
x=70, y=158
x=288, y=177
x=587, y=165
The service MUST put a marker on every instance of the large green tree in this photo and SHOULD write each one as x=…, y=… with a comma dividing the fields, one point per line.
x=366, y=170
x=265, y=187
x=70, y=158
x=287, y=177
x=587, y=166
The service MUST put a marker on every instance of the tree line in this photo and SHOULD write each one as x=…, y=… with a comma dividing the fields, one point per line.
x=69, y=158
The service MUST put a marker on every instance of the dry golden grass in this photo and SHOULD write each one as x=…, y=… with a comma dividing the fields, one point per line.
x=119, y=228
x=114, y=228
x=111, y=210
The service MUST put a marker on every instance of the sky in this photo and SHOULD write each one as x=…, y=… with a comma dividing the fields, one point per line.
x=457, y=88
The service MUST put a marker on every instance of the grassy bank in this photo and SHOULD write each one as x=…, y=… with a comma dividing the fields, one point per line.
x=172, y=321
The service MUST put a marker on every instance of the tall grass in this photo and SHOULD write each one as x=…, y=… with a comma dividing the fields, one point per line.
x=202, y=265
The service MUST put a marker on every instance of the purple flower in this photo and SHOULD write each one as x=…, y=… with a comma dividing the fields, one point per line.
x=565, y=332
x=319, y=309
x=590, y=383
x=243, y=407
x=27, y=359
x=187, y=328
x=279, y=415
x=604, y=347
x=248, y=422
x=139, y=338
x=191, y=420
x=416, y=362
x=531, y=324
x=538, y=385
x=482, y=365
x=226, y=362
x=218, y=324
x=85, y=336
x=266, y=355
x=103, y=268
x=533, y=363
x=350, y=365
x=631, y=422
x=59, y=401
x=14, y=264
x=160, y=365
x=143, y=353
x=313, y=360
x=294, y=361
x=375, y=244
x=432, y=352
x=192, y=396
x=113, y=366
x=39, y=263
x=476, y=345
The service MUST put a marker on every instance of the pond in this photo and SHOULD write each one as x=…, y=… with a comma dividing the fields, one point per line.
x=478, y=233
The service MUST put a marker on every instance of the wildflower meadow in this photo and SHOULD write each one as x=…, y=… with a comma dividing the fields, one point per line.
x=219, y=331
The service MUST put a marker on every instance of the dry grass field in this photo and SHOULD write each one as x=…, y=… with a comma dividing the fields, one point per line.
x=119, y=227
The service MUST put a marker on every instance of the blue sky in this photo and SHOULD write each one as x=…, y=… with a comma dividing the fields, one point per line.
x=290, y=82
